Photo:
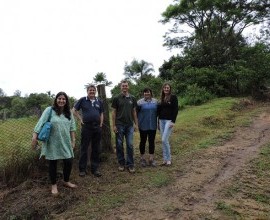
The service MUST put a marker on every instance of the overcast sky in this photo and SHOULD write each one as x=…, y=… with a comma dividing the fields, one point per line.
x=60, y=45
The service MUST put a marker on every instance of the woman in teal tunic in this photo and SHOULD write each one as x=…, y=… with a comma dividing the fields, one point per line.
x=61, y=141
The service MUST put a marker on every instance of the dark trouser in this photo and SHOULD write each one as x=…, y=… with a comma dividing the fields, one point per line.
x=67, y=166
x=90, y=134
x=150, y=134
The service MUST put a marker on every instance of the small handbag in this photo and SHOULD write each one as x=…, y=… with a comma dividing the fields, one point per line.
x=45, y=131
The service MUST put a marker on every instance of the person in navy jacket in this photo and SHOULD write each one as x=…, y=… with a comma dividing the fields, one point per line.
x=91, y=119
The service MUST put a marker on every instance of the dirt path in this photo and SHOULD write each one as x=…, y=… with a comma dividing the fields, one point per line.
x=199, y=182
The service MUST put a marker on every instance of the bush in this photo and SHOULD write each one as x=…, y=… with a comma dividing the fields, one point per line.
x=196, y=95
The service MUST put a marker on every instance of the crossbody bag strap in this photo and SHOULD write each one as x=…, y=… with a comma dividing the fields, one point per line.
x=50, y=115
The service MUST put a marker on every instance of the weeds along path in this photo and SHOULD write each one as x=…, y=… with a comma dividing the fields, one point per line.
x=200, y=178
x=199, y=182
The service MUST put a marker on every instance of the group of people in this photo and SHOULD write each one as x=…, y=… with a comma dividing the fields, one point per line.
x=128, y=115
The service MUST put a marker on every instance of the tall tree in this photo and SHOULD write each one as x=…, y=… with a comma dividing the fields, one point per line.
x=216, y=27
x=2, y=93
x=136, y=69
x=255, y=68
x=17, y=93
x=101, y=78
x=18, y=107
x=38, y=101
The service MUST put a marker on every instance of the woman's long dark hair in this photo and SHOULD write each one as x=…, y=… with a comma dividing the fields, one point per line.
x=66, y=111
x=162, y=96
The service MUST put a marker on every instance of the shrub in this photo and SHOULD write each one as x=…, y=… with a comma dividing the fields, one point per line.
x=196, y=95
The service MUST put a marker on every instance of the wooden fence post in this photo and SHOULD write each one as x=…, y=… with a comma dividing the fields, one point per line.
x=106, y=137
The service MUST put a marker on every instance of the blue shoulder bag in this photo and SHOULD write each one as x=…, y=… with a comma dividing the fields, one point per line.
x=44, y=134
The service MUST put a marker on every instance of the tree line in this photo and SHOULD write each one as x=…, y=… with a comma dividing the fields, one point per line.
x=215, y=54
x=214, y=59
x=16, y=106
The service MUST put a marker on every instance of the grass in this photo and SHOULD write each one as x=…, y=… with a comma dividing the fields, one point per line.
x=106, y=202
x=158, y=179
x=251, y=185
x=263, y=165
x=207, y=125
x=16, y=155
x=196, y=127
x=227, y=209
x=16, y=133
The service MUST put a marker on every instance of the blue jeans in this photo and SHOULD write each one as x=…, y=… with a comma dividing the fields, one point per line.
x=127, y=133
x=165, y=131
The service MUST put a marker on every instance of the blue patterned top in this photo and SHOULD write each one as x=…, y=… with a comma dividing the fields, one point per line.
x=147, y=114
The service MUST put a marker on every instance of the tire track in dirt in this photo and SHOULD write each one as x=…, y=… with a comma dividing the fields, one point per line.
x=200, y=178
x=244, y=147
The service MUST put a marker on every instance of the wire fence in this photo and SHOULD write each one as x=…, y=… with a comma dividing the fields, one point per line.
x=17, y=158
x=18, y=117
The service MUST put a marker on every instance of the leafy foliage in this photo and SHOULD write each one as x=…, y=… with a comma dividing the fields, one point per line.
x=150, y=81
x=2, y=93
x=215, y=55
x=101, y=78
x=137, y=69
x=256, y=66
x=196, y=95
x=221, y=21
x=18, y=107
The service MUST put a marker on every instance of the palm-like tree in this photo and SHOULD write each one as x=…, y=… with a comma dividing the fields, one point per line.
x=137, y=69
x=100, y=78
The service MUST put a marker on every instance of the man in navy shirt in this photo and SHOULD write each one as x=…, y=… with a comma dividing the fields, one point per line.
x=91, y=119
